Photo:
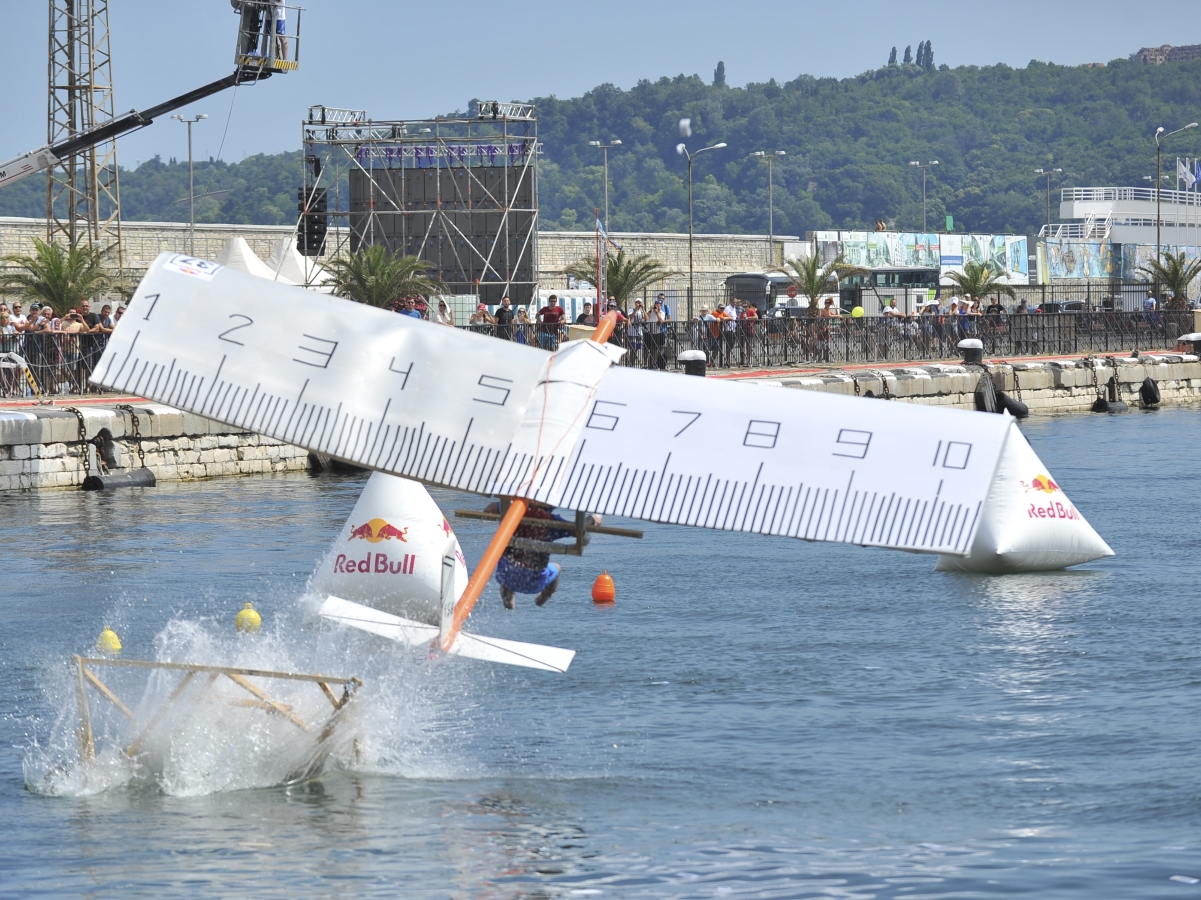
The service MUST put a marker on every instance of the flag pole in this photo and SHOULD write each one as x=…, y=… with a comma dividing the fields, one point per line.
x=598, y=281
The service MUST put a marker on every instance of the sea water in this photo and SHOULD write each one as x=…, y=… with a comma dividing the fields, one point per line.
x=755, y=717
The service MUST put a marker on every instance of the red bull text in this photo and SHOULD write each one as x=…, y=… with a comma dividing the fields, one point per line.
x=1052, y=511
x=377, y=563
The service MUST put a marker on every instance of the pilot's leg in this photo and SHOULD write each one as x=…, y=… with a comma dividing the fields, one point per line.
x=548, y=591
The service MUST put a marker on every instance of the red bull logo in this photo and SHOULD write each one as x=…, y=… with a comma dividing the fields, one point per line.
x=1041, y=483
x=378, y=530
x=375, y=563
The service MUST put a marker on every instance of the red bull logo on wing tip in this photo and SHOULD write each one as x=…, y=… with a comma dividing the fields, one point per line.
x=378, y=530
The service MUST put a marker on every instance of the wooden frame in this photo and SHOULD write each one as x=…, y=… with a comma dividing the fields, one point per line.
x=581, y=529
x=84, y=675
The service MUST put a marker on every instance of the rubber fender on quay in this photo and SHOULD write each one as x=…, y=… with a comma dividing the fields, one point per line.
x=132, y=478
x=1149, y=392
x=1015, y=408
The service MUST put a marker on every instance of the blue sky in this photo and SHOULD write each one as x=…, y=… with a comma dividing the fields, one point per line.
x=417, y=59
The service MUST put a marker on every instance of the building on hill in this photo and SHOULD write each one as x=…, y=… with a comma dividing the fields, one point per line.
x=1167, y=53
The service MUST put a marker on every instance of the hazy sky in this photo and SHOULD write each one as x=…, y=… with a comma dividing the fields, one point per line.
x=416, y=59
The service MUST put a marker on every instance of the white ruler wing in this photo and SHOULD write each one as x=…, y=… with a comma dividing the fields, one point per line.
x=745, y=457
x=360, y=384
x=464, y=411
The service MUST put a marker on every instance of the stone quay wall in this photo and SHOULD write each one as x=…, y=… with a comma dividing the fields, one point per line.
x=40, y=446
x=1054, y=386
x=715, y=256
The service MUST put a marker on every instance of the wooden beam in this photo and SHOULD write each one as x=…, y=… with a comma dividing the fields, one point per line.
x=109, y=695
x=87, y=744
x=278, y=707
x=544, y=523
x=220, y=670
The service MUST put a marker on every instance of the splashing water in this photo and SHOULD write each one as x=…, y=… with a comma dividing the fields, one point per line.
x=217, y=737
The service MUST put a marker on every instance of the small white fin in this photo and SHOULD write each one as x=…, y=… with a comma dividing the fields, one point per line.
x=472, y=646
x=448, y=596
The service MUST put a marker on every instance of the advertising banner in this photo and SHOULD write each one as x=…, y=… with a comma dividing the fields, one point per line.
x=909, y=250
x=880, y=249
x=1081, y=259
x=1005, y=252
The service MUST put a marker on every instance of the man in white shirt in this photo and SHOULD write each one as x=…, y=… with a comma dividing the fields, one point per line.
x=16, y=317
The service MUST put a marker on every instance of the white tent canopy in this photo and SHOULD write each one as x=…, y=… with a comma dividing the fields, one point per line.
x=237, y=255
x=286, y=260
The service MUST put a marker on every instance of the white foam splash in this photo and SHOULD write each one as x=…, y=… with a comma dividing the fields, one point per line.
x=402, y=721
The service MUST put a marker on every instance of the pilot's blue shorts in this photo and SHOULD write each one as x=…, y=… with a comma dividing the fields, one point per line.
x=524, y=581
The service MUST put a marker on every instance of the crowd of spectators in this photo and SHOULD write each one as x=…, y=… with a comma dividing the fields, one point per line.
x=59, y=351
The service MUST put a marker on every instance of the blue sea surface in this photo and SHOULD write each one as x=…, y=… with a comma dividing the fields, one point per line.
x=755, y=717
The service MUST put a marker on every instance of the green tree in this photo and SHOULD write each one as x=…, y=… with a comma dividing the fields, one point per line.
x=1173, y=272
x=979, y=280
x=812, y=279
x=59, y=276
x=892, y=57
x=719, y=75
x=624, y=276
x=377, y=276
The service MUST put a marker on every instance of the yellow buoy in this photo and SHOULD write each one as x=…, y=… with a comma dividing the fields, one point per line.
x=108, y=642
x=248, y=620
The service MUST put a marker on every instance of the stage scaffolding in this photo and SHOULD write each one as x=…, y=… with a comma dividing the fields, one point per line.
x=461, y=193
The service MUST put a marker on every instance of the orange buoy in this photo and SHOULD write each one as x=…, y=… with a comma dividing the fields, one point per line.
x=603, y=590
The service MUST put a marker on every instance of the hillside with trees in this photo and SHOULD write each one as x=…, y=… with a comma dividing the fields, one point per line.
x=848, y=144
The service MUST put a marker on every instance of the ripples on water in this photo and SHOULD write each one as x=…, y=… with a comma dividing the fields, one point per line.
x=755, y=718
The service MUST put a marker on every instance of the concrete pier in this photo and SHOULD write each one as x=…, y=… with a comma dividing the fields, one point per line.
x=1045, y=386
x=40, y=446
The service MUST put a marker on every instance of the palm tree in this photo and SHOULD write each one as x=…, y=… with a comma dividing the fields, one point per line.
x=980, y=280
x=377, y=276
x=812, y=279
x=624, y=277
x=1175, y=273
x=60, y=276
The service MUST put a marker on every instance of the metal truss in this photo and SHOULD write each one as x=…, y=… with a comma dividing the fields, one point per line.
x=83, y=193
x=448, y=190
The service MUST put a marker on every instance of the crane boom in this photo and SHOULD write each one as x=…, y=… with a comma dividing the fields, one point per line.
x=45, y=157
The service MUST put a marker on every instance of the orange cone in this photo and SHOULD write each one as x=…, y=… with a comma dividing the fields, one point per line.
x=604, y=592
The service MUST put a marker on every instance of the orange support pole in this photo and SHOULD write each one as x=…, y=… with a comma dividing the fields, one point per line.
x=504, y=531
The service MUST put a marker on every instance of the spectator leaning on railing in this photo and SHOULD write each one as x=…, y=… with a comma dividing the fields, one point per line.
x=549, y=318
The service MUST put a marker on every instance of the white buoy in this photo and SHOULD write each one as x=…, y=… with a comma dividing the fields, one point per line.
x=1028, y=524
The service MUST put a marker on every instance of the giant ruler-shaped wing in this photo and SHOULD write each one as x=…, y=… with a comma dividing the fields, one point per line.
x=486, y=415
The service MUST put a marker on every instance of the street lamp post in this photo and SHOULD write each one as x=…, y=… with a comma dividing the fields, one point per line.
x=191, y=183
x=1160, y=137
x=606, y=148
x=1047, y=173
x=771, y=209
x=924, y=167
x=683, y=151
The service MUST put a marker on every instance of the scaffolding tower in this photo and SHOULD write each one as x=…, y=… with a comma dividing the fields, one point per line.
x=458, y=192
x=82, y=194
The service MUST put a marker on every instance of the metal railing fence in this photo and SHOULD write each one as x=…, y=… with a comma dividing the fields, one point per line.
x=58, y=362
x=792, y=340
